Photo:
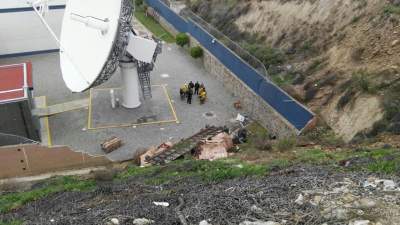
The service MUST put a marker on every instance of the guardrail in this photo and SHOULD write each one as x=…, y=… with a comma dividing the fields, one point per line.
x=251, y=73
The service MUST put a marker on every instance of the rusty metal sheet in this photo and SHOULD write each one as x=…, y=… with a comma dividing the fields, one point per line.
x=28, y=160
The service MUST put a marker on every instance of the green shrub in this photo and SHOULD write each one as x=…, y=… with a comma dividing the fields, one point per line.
x=267, y=55
x=392, y=9
x=11, y=222
x=182, y=39
x=286, y=144
x=138, y=2
x=196, y=52
x=361, y=81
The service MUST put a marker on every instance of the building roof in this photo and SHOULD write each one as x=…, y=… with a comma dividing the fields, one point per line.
x=15, y=82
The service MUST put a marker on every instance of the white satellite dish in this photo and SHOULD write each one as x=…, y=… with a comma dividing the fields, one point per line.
x=96, y=37
x=91, y=42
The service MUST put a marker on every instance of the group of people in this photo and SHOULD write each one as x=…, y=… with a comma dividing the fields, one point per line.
x=188, y=90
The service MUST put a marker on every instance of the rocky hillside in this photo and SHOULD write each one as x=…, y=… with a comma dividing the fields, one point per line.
x=341, y=58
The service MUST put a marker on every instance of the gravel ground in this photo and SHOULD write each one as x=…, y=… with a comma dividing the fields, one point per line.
x=270, y=198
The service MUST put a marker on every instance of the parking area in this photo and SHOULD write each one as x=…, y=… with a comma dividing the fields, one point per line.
x=164, y=118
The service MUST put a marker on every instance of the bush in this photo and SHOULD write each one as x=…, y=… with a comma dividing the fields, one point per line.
x=196, y=52
x=138, y=2
x=286, y=144
x=182, y=39
x=392, y=9
x=267, y=55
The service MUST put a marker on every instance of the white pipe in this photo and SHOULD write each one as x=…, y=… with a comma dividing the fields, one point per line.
x=112, y=95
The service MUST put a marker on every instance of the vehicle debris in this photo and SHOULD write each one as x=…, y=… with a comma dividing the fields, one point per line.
x=153, y=152
x=214, y=148
x=183, y=147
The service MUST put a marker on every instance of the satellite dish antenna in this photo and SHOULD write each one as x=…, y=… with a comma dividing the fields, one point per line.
x=96, y=38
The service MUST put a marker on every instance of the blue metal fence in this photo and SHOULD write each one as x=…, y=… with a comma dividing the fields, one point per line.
x=178, y=22
x=285, y=105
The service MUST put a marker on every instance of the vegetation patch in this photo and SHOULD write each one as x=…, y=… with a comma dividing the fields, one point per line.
x=267, y=55
x=153, y=26
x=207, y=171
x=182, y=39
x=12, y=222
x=392, y=9
x=286, y=144
x=196, y=52
x=315, y=66
x=18, y=199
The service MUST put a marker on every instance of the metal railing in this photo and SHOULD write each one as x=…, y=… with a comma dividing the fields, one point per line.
x=246, y=56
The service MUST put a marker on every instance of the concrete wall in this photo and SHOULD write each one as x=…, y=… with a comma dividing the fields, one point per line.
x=252, y=104
x=23, y=33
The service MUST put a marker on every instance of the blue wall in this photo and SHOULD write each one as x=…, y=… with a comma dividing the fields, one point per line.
x=291, y=110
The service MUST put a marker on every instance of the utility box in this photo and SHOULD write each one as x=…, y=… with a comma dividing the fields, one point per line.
x=17, y=125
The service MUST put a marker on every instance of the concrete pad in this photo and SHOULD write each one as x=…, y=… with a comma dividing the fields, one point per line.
x=156, y=110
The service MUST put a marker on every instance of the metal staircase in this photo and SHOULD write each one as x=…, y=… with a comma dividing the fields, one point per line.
x=144, y=78
x=144, y=70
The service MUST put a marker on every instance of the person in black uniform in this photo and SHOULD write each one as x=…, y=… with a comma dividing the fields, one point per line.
x=189, y=96
x=196, y=88
x=191, y=85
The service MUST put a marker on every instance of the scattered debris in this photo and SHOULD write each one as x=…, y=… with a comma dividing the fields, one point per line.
x=183, y=147
x=299, y=200
x=204, y=222
x=240, y=118
x=385, y=185
x=153, y=152
x=237, y=105
x=163, y=204
x=360, y=222
x=142, y=221
x=241, y=136
x=214, y=148
x=111, y=144
x=115, y=221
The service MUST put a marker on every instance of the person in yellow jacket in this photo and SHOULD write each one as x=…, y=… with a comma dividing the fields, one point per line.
x=202, y=95
x=183, y=91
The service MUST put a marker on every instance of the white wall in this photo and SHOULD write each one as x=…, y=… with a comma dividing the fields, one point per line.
x=21, y=32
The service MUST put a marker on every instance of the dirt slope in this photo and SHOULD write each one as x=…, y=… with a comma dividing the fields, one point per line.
x=340, y=57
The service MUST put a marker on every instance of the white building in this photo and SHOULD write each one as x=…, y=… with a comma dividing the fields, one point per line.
x=21, y=31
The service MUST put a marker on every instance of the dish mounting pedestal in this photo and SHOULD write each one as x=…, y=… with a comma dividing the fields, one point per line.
x=130, y=86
